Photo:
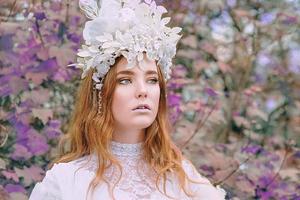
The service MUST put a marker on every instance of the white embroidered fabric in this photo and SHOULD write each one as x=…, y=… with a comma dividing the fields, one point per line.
x=67, y=181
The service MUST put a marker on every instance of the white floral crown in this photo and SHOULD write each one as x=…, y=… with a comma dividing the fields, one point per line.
x=128, y=28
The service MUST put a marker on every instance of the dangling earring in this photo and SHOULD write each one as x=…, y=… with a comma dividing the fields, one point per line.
x=99, y=103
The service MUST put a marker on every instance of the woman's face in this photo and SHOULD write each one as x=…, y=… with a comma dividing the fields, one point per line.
x=136, y=95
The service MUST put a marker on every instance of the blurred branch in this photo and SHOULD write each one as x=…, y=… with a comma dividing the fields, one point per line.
x=39, y=32
x=235, y=22
x=10, y=11
x=231, y=173
x=287, y=150
x=199, y=126
x=244, y=78
x=67, y=11
x=3, y=135
x=247, y=64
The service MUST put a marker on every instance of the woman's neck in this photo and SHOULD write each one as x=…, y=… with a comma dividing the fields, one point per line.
x=129, y=136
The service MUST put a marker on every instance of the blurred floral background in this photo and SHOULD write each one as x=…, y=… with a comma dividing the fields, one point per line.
x=234, y=96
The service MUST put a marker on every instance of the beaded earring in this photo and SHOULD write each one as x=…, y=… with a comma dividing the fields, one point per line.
x=99, y=103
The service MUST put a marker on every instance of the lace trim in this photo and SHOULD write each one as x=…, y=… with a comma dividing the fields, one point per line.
x=138, y=179
x=122, y=149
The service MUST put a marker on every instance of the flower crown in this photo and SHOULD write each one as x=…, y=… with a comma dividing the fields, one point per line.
x=128, y=28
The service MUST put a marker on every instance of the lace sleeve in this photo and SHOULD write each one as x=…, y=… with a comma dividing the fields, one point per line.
x=48, y=189
x=204, y=189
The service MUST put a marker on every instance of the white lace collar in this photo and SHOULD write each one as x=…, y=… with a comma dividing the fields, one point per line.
x=125, y=149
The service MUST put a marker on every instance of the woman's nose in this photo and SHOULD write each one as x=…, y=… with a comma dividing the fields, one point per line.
x=141, y=91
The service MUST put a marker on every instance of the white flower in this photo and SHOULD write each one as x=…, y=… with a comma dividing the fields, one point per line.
x=128, y=28
x=90, y=7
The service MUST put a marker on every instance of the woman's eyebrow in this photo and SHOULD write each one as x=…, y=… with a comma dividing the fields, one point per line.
x=151, y=72
x=127, y=72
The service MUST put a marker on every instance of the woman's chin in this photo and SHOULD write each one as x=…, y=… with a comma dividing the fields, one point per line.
x=141, y=123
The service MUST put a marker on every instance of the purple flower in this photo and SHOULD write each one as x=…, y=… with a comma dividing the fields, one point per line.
x=290, y=20
x=52, y=131
x=62, y=75
x=37, y=143
x=174, y=100
x=267, y=18
x=20, y=152
x=252, y=149
x=21, y=128
x=263, y=193
x=74, y=37
x=173, y=85
x=266, y=187
x=56, y=6
x=54, y=124
x=294, y=61
x=269, y=165
x=6, y=42
x=231, y=3
x=295, y=197
x=5, y=91
x=74, y=21
x=297, y=154
x=271, y=104
x=39, y=15
x=209, y=170
x=210, y=92
x=266, y=181
x=179, y=71
x=10, y=188
x=49, y=66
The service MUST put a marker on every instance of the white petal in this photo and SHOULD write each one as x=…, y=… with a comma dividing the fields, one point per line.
x=93, y=49
x=162, y=9
x=95, y=78
x=153, y=5
x=148, y=1
x=90, y=8
x=109, y=50
x=89, y=63
x=111, y=45
x=165, y=20
x=176, y=29
x=84, y=53
x=99, y=86
x=101, y=39
x=73, y=65
x=84, y=73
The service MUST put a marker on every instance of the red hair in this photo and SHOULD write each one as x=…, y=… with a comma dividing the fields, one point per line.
x=90, y=132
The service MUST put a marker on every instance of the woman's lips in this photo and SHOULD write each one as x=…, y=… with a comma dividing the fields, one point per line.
x=141, y=110
x=142, y=106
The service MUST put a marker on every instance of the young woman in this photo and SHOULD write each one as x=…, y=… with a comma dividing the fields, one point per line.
x=119, y=143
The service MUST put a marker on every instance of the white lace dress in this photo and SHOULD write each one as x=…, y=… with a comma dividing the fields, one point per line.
x=67, y=181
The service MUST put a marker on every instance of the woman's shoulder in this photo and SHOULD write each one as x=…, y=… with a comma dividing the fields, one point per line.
x=49, y=187
x=203, y=188
x=63, y=167
x=57, y=176
x=72, y=165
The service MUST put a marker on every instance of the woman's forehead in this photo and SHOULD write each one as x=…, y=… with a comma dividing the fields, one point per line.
x=145, y=65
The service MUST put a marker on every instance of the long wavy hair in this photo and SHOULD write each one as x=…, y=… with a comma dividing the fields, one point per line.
x=90, y=133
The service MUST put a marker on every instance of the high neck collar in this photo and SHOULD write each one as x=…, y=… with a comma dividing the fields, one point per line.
x=125, y=149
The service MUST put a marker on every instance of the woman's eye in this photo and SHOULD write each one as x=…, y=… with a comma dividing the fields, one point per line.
x=127, y=81
x=153, y=80
x=124, y=81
